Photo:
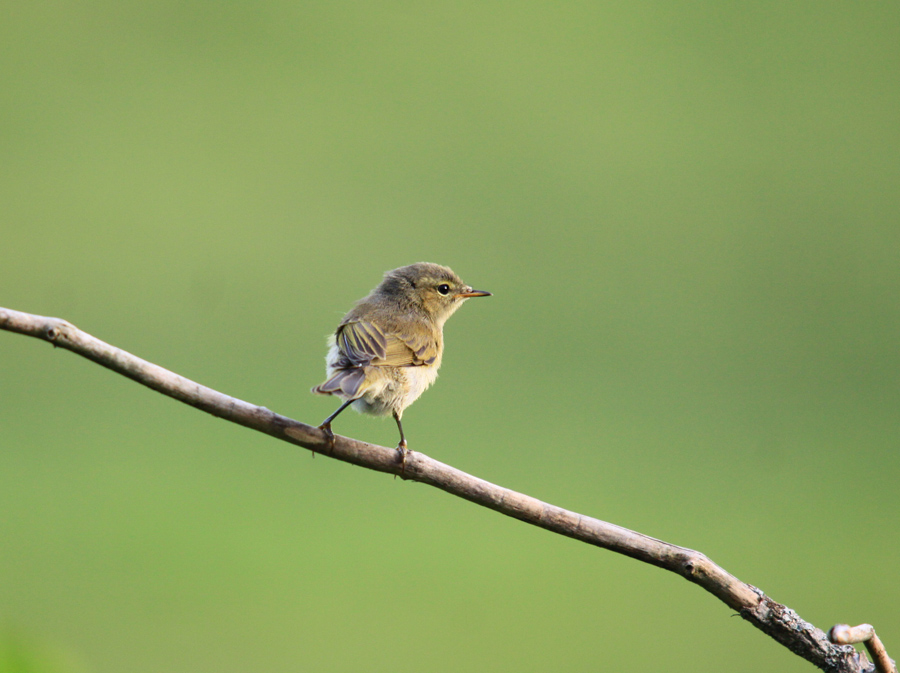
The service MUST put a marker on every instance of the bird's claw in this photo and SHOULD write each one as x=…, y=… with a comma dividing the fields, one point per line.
x=404, y=452
x=329, y=437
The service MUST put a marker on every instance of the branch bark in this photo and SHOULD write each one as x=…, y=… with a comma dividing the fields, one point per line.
x=774, y=619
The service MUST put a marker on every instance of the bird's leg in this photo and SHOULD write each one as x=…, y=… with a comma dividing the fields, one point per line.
x=401, y=447
x=326, y=425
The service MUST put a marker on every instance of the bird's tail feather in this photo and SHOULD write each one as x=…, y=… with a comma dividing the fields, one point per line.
x=344, y=382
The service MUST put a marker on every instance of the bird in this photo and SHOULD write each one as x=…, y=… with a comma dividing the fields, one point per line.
x=387, y=350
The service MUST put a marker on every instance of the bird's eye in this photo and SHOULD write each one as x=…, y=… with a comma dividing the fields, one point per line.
x=444, y=288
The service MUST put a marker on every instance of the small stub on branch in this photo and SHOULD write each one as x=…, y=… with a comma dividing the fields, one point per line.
x=844, y=634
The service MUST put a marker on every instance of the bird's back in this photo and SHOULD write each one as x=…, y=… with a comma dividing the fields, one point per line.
x=385, y=357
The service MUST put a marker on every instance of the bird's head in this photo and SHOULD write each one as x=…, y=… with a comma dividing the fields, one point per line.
x=431, y=288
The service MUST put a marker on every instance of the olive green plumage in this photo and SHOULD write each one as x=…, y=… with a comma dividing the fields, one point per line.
x=388, y=348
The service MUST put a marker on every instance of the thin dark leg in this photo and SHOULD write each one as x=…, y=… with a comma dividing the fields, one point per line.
x=402, y=446
x=328, y=420
x=326, y=424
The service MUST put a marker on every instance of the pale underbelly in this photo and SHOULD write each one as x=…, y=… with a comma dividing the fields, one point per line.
x=392, y=389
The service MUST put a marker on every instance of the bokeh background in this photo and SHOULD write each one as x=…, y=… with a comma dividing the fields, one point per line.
x=688, y=213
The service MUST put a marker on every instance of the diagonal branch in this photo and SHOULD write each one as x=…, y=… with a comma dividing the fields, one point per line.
x=778, y=621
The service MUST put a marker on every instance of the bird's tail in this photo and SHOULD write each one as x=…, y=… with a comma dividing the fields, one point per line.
x=344, y=382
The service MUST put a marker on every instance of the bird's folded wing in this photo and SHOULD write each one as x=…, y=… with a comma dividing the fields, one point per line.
x=362, y=342
x=366, y=344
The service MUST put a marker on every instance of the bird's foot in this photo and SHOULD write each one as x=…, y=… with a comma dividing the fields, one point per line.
x=329, y=437
x=404, y=452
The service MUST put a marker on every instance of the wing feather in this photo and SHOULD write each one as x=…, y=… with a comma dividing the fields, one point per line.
x=366, y=344
x=361, y=342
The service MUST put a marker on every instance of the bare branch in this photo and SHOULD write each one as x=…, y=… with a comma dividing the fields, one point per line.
x=778, y=621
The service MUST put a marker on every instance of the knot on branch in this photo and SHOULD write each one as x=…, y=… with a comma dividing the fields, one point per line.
x=693, y=564
x=56, y=330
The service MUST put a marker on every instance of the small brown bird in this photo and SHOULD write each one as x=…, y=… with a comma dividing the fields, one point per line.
x=388, y=348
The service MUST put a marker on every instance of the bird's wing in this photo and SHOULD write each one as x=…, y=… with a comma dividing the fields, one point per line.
x=410, y=350
x=361, y=341
x=366, y=344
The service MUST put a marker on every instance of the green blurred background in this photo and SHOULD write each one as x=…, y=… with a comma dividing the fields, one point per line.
x=687, y=212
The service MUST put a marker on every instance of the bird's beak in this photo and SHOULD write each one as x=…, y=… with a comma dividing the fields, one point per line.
x=474, y=293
